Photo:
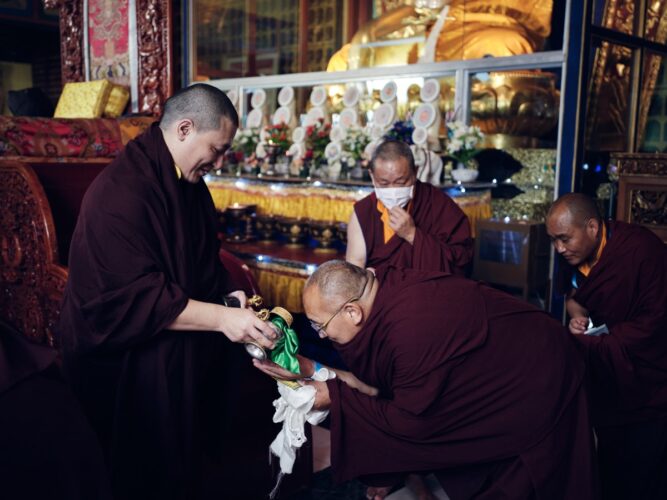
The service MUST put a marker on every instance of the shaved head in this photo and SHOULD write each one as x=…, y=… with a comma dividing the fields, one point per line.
x=393, y=151
x=336, y=280
x=574, y=226
x=580, y=207
x=204, y=104
x=337, y=298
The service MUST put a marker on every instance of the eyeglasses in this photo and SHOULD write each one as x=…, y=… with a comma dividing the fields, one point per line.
x=321, y=329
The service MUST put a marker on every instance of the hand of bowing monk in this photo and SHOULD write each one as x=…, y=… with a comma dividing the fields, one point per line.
x=578, y=325
x=402, y=224
x=241, y=325
x=355, y=383
x=322, y=399
x=306, y=367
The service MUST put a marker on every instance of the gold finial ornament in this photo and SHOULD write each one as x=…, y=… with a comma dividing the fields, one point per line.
x=263, y=314
x=284, y=314
x=255, y=301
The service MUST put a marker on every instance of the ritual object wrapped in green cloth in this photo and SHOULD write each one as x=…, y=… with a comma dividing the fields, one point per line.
x=287, y=342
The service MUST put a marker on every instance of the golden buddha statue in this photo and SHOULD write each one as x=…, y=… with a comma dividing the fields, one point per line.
x=472, y=29
x=511, y=108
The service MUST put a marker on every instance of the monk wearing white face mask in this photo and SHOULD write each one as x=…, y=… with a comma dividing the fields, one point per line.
x=404, y=222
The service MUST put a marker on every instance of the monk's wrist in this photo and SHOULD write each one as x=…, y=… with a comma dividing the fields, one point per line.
x=313, y=367
x=410, y=237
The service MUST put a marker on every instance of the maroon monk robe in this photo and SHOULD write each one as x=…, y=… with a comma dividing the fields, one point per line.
x=469, y=378
x=144, y=243
x=442, y=239
x=47, y=448
x=627, y=291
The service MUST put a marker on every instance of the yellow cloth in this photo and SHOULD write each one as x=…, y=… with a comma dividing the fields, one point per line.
x=279, y=285
x=585, y=268
x=319, y=203
x=388, y=232
x=281, y=289
x=179, y=173
x=311, y=203
x=133, y=127
x=118, y=99
x=83, y=99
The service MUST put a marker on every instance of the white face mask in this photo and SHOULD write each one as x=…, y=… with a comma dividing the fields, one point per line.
x=395, y=197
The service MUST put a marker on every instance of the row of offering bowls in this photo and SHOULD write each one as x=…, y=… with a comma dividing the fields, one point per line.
x=242, y=224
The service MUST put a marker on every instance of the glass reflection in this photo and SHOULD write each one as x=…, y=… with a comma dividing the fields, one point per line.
x=607, y=116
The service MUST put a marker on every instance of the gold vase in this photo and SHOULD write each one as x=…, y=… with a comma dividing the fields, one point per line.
x=515, y=108
x=294, y=230
x=267, y=226
x=324, y=232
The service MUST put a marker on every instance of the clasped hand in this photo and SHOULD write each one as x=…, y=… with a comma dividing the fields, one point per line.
x=579, y=325
x=402, y=223
x=306, y=368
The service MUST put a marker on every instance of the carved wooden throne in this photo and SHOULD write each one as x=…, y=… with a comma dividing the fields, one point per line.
x=642, y=190
x=31, y=281
x=152, y=80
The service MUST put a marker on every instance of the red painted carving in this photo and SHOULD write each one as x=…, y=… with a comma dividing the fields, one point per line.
x=71, y=38
x=153, y=27
x=31, y=283
x=154, y=49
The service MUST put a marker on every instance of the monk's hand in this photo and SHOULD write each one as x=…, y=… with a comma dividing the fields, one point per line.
x=578, y=325
x=322, y=398
x=306, y=367
x=402, y=224
x=241, y=296
x=355, y=383
x=242, y=325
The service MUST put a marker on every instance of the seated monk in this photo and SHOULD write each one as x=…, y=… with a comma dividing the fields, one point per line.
x=472, y=29
x=482, y=389
x=405, y=222
x=615, y=274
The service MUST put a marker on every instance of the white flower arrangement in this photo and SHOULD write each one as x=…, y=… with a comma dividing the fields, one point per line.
x=462, y=140
x=353, y=145
x=246, y=140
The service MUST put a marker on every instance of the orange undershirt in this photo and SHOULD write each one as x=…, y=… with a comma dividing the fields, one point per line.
x=384, y=216
x=585, y=268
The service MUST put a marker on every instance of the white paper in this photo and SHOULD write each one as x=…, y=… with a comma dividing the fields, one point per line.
x=596, y=331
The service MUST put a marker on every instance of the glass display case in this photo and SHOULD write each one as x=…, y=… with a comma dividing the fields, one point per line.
x=306, y=137
x=514, y=101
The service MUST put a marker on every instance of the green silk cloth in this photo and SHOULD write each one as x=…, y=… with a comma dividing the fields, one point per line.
x=286, y=347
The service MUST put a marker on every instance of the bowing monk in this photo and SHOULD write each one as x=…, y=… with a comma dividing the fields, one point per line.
x=474, y=385
x=615, y=274
x=405, y=222
x=142, y=325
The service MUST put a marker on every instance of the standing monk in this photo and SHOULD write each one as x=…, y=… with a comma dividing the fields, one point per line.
x=405, y=222
x=481, y=388
x=615, y=274
x=142, y=328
